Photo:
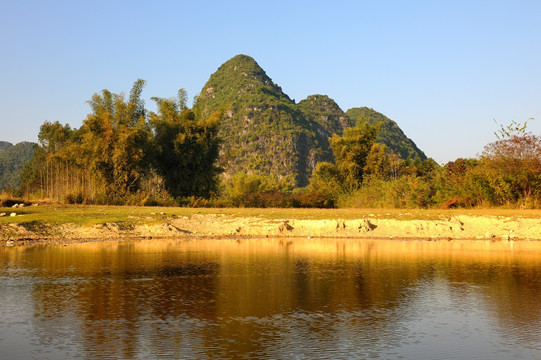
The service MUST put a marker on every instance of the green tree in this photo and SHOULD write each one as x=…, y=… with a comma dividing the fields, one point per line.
x=327, y=180
x=12, y=161
x=428, y=168
x=351, y=152
x=389, y=134
x=51, y=168
x=513, y=167
x=377, y=162
x=186, y=148
x=460, y=183
x=115, y=141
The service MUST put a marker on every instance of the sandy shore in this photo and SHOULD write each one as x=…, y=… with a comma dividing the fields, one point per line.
x=223, y=225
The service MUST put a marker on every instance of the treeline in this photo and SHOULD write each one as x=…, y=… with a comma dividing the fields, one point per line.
x=507, y=173
x=124, y=154
x=366, y=175
x=12, y=160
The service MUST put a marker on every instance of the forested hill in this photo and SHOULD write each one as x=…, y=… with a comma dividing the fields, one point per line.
x=12, y=161
x=326, y=119
x=325, y=112
x=390, y=133
x=261, y=131
x=5, y=145
x=264, y=132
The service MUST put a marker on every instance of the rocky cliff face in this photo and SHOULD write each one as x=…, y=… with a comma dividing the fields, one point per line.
x=326, y=113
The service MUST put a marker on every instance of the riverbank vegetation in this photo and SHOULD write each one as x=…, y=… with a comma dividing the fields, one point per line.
x=366, y=175
x=124, y=154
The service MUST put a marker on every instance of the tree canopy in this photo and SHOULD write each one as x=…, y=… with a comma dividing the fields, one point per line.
x=390, y=133
x=12, y=161
x=186, y=148
x=120, y=148
x=352, y=150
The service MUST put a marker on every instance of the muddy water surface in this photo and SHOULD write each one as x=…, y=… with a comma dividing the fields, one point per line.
x=271, y=299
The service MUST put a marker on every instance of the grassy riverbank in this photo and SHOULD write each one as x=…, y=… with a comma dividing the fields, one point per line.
x=76, y=222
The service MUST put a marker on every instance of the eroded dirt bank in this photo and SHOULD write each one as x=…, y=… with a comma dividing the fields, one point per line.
x=220, y=225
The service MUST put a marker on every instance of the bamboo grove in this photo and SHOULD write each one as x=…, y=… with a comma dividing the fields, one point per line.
x=124, y=154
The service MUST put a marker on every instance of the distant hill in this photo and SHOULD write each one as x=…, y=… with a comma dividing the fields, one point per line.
x=5, y=145
x=324, y=111
x=326, y=118
x=12, y=161
x=390, y=133
x=263, y=131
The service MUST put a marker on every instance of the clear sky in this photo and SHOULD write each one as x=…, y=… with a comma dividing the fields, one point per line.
x=443, y=70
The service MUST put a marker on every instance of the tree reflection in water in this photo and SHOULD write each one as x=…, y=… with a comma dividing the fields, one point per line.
x=272, y=298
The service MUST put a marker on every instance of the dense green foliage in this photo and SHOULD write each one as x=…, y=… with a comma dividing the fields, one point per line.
x=325, y=112
x=121, y=154
x=390, y=134
x=351, y=152
x=270, y=151
x=114, y=141
x=254, y=190
x=186, y=149
x=507, y=174
x=12, y=160
x=513, y=166
x=263, y=131
x=5, y=145
x=327, y=119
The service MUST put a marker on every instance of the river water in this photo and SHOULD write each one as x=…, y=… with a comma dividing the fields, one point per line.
x=272, y=299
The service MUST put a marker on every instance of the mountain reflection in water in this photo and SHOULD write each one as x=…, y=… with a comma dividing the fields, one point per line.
x=272, y=299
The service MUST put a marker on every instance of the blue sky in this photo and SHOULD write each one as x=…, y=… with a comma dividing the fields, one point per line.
x=443, y=70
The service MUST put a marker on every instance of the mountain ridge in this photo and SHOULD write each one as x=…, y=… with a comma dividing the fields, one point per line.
x=4, y=145
x=265, y=132
x=12, y=161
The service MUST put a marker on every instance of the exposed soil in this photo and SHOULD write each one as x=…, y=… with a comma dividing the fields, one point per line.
x=222, y=225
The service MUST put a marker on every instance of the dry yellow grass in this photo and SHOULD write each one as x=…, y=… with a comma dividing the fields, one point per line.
x=90, y=214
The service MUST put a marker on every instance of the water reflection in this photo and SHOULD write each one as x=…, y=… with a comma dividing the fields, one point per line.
x=269, y=298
